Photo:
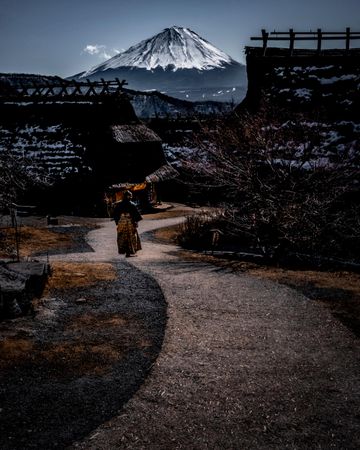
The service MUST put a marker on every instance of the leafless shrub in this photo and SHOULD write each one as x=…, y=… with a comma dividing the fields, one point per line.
x=196, y=231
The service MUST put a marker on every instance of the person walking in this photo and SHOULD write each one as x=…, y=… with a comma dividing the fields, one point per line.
x=127, y=216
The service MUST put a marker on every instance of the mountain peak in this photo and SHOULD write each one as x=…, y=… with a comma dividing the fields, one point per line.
x=173, y=48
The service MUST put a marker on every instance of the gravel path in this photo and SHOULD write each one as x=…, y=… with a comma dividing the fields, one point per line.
x=245, y=364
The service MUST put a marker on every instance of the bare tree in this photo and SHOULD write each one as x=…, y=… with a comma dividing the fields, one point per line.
x=284, y=185
x=17, y=175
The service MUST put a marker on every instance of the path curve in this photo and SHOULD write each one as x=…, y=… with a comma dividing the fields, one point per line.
x=245, y=363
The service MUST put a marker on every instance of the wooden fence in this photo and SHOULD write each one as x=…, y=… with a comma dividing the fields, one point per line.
x=319, y=36
x=61, y=90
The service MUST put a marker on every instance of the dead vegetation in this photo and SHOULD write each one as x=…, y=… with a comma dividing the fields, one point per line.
x=177, y=212
x=34, y=236
x=68, y=275
x=13, y=350
x=79, y=359
x=31, y=240
x=167, y=234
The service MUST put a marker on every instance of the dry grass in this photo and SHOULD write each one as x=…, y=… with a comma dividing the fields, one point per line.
x=14, y=350
x=92, y=322
x=91, y=352
x=168, y=214
x=32, y=240
x=79, y=359
x=68, y=275
x=167, y=234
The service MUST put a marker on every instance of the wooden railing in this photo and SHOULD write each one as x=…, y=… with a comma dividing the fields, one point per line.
x=319, y=36
x=63, y=90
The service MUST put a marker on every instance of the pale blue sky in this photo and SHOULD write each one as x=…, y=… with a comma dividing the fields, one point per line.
x=49, y=36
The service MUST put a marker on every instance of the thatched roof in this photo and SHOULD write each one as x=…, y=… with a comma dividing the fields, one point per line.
x=134, y=133
x=165, y=172
x=54, y=147
x=126, y=186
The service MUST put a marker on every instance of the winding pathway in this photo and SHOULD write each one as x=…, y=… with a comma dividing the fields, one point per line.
x=245, y=363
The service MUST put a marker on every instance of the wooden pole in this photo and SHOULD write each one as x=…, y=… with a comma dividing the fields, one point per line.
x=50, y=89
x=265, y=37
x=104, y=86
x=24, y=89
x=347, y=39
x=37, y=90
x=63, y=89
x=319, y=38
x=91, y=88
x=292, y=41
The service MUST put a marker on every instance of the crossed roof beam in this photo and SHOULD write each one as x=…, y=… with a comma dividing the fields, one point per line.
x=69, y=89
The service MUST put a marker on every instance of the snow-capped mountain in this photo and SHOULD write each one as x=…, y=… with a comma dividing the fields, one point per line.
x=175, y=59
x=174, y=48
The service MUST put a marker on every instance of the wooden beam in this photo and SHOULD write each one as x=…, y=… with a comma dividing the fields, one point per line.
x=292, y=41
x=319, y=39
x=347, y=41
x=91, y=89
x=315, y=32
x=265, y=37
x=324, y=38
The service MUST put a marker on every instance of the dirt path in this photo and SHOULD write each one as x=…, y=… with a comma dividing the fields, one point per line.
x=103, y=242
x=245, y=364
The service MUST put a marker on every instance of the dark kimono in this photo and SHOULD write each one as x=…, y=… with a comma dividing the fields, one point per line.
x=126, y=216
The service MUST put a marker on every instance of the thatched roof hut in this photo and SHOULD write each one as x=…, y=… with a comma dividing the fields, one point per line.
x=141, y=164
x=137, y=151
x=86, y=143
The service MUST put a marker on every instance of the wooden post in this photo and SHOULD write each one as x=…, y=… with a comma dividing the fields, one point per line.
x=77, y=88
x=37, y=89
x=292, y=41
x=63, y=89
x=319, y=38
x=120, y=84
x=265, y=37
x=50, y=89
x=104, y=86
x=24, y=89
x=347, y=39
x=118, y=87
x=91, y=88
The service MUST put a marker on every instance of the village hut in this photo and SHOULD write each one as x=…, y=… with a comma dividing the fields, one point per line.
x=86, y=137
x=141, y=164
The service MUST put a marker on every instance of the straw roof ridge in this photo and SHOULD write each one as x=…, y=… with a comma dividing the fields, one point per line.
x=132, y=133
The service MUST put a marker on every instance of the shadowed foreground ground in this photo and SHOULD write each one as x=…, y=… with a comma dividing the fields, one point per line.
x=245, y=363
x=81, y=357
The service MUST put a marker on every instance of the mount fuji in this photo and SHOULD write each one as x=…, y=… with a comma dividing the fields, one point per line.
x=177, y=62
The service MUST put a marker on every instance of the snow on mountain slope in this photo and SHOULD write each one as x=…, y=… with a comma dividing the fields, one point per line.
x=174, y=48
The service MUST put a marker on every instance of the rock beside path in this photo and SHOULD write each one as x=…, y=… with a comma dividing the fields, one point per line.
x=20, y=282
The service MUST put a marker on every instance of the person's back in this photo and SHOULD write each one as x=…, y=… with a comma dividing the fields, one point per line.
x=126, y=206
x=127, y=216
